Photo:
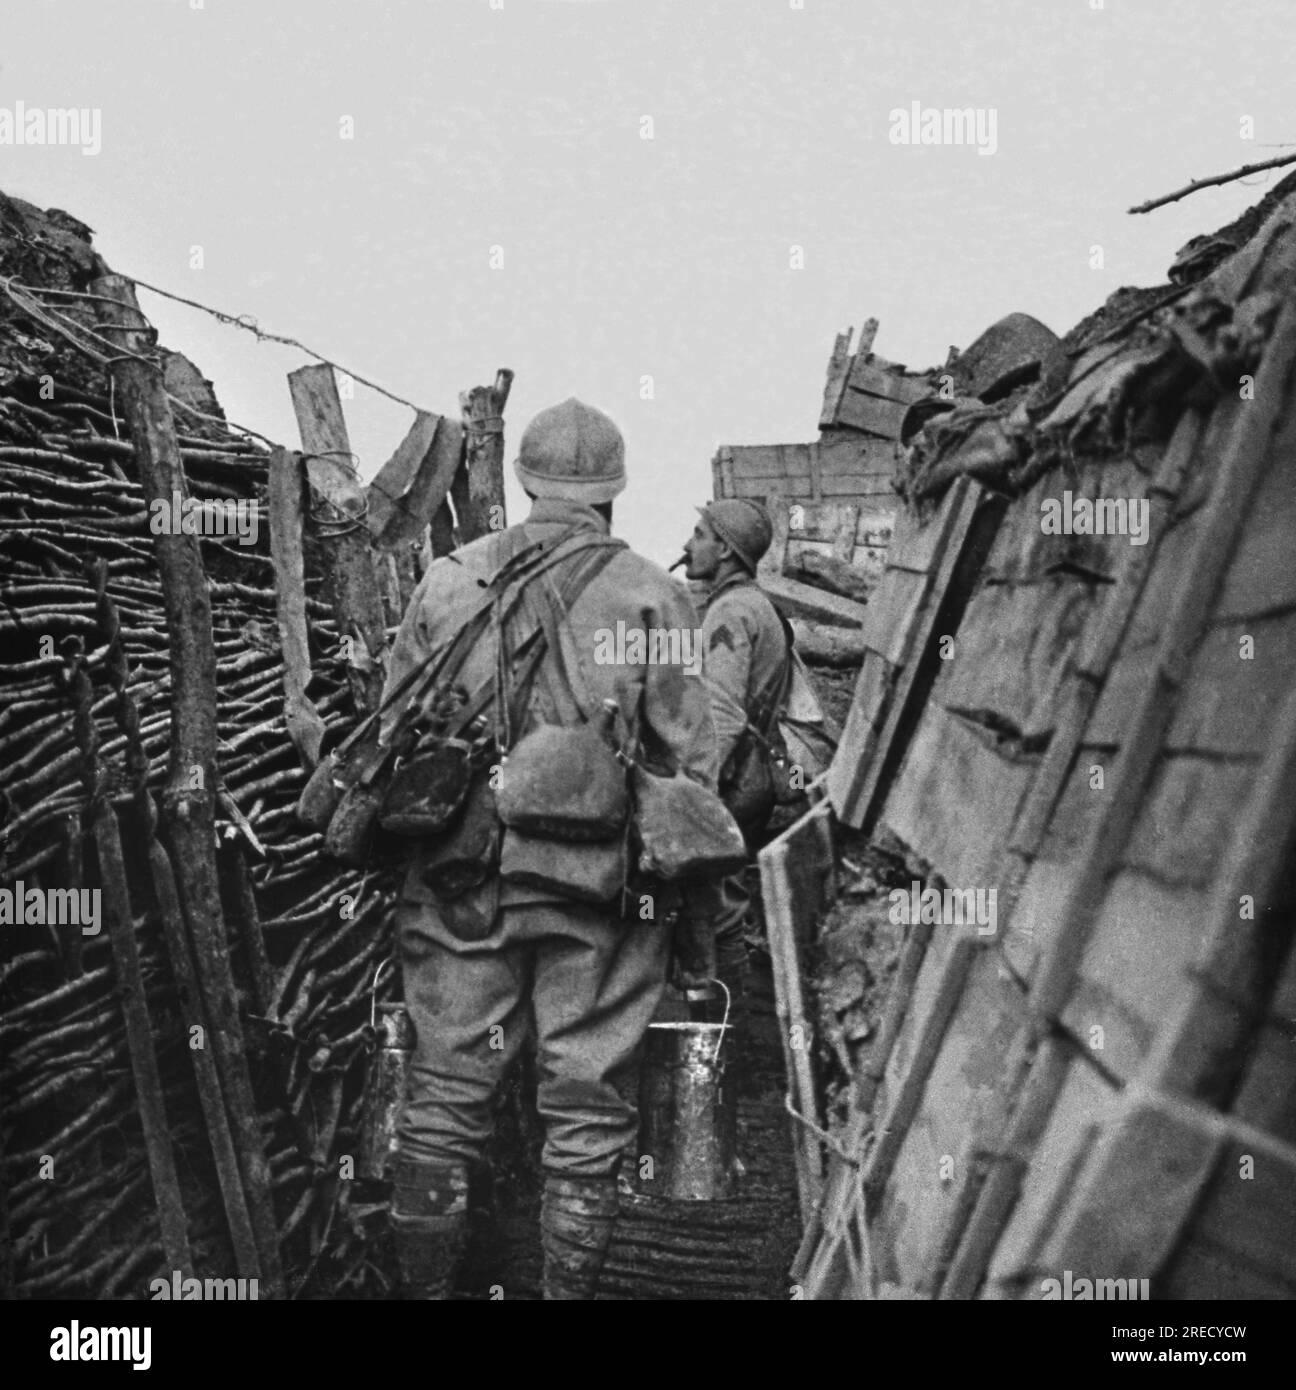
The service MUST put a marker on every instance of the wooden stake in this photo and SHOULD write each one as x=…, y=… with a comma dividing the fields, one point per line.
x=305, y=727
x=478, y=490
x=189, y=798
x=343, y=536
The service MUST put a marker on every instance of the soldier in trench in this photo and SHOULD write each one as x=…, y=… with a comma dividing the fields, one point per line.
x=747, y=669
x=476, y=958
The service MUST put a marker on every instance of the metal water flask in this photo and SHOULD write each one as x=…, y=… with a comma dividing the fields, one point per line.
x=385, y=1091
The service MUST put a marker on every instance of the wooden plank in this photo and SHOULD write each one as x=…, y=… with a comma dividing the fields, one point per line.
x=352, y=580
x=1136, y=1194
x=876, y=377
x=1252, y=1219
x=1261, y=577
x=862, y=787
x=479, y=504
x=865, y=722
x=770, y=565
x=1071, y=1116
x=839, y=576
x=872, y=414
x=891, y=622
x=1177, y=837
x=1007, y=1166
x=1267, y=1097
x=929, y=1031
x=798, y=881
x=823, y=521
x=149, y=1103
x=954, y=799
x=1236, y=478
x=1206, y=1032
x=413, y=483
x=286, y=485
x=795, y=600
x=189, y=810
x=838, y=370
x=1014, y=656
x=722, y=473
x=844, y=538
x=961, y=1105
x=390, y=484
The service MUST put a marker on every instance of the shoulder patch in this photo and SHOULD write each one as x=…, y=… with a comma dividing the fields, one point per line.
x=721, y=637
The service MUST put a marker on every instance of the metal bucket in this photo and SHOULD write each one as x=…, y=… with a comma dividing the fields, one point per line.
x=392, y=1033
x=688, y=1114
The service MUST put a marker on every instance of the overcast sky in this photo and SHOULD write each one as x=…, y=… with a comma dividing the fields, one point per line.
x=519, y=124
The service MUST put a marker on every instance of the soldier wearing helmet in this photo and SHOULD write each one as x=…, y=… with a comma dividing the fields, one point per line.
x=477, y=959
x=747, y=668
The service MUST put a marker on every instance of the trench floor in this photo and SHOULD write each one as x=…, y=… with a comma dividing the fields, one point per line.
x=740, y=1248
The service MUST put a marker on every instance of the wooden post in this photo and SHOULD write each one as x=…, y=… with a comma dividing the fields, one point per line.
x=479, y=488
x=352, y=578
x=189, y=797
x=305, y=727
x=102, y=820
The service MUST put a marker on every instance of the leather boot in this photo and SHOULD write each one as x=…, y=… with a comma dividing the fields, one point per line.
x=429, y=1221
x=576, y=1220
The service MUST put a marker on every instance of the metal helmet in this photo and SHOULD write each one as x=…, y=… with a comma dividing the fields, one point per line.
x=572, y=451
x=743, y=524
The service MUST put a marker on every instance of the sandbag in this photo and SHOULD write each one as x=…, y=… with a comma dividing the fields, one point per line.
x=563, y=784
x=685, y=831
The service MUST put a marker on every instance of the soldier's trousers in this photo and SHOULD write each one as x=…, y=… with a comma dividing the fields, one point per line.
x=592, y=982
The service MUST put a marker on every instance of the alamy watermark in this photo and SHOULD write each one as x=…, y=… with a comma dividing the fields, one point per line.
x=955, y=907
x=1097, y=516
x=190, y=1290
x=654, y=646
x=58, y=125
x=192, y=516
x=77, y=1343
x=1082, y=1290
x=917, y=124
x=21, y=906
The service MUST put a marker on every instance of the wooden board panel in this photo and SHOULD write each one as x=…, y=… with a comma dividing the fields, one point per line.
x=798, y=881
x=799, y=488
x=1244, y=1233
x=839, y=365
x=892, y=614
x=872, y=414
x=917, y=545
x=821, y=521
x=1226, y=705
x=1156, y=602
x=870, y=374
x=1229, y=703
x=960, y=1107
x=1261, y=577
x=1183, y=823
x=1136, y=1195
x=1142, y=943
x=1012, y=654
x=770, y=565
x=795, y=600
x=1267, y=1098
x=858, y=787
x=864, y=724
x=954, y=799
x=1084, y=1101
